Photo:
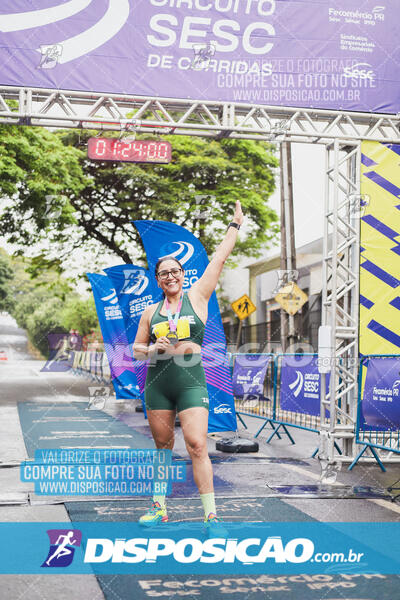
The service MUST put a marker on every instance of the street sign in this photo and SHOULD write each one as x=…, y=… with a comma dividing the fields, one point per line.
x=243, y=307
x=291, y=298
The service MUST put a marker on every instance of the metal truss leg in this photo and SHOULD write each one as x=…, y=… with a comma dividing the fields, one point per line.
x=340, y=296
x=314, y=454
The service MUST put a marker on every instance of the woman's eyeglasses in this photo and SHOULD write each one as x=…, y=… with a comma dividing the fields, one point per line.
x=174, y=272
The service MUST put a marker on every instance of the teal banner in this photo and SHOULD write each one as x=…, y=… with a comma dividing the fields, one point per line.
x=184, y=548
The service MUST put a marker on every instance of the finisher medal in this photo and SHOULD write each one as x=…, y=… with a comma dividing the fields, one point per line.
x=173, y=337
x=172, y=322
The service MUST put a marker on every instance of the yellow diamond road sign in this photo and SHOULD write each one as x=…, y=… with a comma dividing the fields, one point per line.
x=291, y=298
x=243, y=307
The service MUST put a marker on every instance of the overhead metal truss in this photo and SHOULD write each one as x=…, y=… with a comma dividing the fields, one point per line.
x=340, y=132
x=68, y=109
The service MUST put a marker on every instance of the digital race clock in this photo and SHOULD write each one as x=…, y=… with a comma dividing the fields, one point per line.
x=137, y=151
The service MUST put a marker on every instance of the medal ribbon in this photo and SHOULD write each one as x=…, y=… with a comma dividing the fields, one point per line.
x=172, y=322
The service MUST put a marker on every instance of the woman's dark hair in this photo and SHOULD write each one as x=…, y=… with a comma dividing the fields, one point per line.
x=162, y=259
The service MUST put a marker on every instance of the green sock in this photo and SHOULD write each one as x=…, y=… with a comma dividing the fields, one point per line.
x=160, y=500
x=208, y=501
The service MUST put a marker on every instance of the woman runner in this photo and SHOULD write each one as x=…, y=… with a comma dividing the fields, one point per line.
x=175, y=379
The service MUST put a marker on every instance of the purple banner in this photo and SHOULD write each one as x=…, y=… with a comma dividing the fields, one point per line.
x=300, y=384
x=336, y=54
x=249, y=373
x=381, y=398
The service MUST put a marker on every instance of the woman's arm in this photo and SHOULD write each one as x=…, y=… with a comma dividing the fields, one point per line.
x=141, y=348
x=207, y=283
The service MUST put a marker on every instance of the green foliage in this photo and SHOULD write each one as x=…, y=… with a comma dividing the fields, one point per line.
x=81, y=315
x=46, y=304
x=6, y=276
x=197, y=190
x=93, y=203
x=38, y=174
x=47, y=318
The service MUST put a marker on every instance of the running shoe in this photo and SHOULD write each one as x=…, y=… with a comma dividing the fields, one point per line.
x=154, y=516
x=214, y=527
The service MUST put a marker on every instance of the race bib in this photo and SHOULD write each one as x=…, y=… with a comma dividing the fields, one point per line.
x=182, y=330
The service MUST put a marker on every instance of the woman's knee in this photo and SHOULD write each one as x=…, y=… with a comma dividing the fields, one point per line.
x=164, y=442
x=197, y=448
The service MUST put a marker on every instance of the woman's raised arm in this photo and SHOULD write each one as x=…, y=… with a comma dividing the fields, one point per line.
x=207, y=283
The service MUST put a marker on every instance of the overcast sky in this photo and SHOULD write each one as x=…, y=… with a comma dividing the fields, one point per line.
x=308, y=165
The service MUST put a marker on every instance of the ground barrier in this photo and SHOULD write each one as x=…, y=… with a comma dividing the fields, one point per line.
x=378, y=409
x=90, y=363
x=287, y=397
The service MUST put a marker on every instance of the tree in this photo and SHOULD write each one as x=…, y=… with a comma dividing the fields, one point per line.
x=38, y=174
x=80, y=314
x=6, y=276
x=197, y=190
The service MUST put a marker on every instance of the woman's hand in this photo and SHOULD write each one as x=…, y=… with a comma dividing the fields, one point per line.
x=238, y=216
x=161, y=345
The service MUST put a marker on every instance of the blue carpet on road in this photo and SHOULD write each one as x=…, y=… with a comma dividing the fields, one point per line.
x=71, y=425
x=46, y=425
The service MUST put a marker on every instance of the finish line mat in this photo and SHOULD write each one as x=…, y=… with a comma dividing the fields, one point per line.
x=347, y=586
x=180, y=510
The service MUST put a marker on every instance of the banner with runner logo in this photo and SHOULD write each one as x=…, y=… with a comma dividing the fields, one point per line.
x=135, y=290
x=161, y=238
x=380, y=404
x=114, y=335
x=300, y=384
x=249, y=373
x=340, y=55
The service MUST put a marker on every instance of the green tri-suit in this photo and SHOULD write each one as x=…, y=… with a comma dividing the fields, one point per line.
x=177, y=382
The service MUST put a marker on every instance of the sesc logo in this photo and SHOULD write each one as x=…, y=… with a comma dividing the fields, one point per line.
x=80, y=42
x=183, y=253
x=297, y=385
x=192, y=550
x=359, y=71
x=62, y=547
x=222, y=408
x=111, y=298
